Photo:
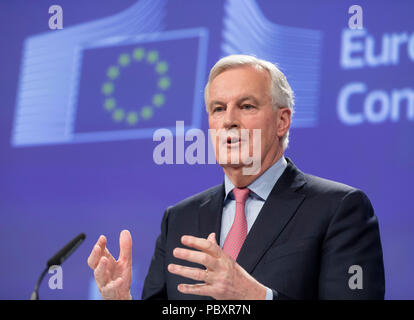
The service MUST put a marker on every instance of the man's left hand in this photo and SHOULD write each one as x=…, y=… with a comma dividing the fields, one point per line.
x=223, y=278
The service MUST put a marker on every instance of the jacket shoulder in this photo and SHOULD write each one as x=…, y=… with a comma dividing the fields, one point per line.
x=197, y=199
x=322, y=186
x=335, y=194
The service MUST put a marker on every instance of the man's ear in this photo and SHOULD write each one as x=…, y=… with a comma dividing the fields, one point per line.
x=284, y=116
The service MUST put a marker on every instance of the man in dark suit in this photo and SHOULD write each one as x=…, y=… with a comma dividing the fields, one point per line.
x=268, y=233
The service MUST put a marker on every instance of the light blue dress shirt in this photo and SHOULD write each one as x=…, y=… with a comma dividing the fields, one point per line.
x=260, y=190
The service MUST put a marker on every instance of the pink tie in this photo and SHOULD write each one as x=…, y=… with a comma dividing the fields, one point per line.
x=238, y=232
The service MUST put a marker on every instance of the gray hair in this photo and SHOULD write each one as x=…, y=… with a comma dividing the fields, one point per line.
x=280, y=90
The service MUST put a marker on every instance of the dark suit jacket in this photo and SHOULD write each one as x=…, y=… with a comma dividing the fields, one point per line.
x=308, y=234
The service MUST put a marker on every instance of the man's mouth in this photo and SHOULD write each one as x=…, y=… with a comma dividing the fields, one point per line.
x=233, y=141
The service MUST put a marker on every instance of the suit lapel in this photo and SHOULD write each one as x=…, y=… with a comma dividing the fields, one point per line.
x=276, y=212
x=210, y=217
x=210, y=213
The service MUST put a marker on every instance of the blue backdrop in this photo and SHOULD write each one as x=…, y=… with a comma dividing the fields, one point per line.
x=79, y=107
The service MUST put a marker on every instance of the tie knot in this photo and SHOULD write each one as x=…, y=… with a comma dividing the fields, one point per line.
x=241, y=194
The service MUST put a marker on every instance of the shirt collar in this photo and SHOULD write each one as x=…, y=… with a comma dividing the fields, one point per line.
x=263, y=185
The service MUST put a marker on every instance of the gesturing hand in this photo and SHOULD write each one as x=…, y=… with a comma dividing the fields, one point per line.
x=223, y=278
x=113, y=277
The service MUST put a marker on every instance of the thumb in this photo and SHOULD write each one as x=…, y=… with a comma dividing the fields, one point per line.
x=212, y=237
x=125, y=244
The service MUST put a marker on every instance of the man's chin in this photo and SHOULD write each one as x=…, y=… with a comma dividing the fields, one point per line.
x=232, y=165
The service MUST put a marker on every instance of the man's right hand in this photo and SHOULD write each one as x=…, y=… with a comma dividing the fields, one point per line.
x=113, y=277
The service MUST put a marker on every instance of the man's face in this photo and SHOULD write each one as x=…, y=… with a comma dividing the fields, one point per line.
x=239, y=98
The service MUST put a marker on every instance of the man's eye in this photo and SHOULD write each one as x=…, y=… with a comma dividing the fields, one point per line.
x=247, y=106
x=218, y=109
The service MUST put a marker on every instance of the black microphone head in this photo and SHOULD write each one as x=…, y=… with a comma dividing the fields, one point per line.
x=66, y=251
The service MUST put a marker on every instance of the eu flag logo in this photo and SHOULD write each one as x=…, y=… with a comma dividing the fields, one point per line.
x=114, y=88
x=130, y=87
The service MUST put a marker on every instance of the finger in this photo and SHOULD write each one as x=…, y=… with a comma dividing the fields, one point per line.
x=196, y=257
x=204, y=245
x=187, y=272
x=125, y=244
x=94, y=257
x=212, y=238
x=199, y=289
x=98, y=251
x=101, y=274
x=102, y=244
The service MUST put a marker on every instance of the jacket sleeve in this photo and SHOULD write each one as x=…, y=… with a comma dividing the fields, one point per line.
x=351, y=265
x=155, y=282
x=279, y=296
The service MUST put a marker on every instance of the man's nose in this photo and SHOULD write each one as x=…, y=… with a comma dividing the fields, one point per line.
x=231, y=118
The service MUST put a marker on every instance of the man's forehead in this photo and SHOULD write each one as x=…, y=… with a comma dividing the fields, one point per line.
x=246, y=79
x=238, y=91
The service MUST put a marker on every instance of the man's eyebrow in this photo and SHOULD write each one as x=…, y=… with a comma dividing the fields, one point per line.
x=239, y=101
x=242, y=99
x=215, y=102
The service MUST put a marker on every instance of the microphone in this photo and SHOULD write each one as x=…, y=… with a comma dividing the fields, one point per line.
x=57, y=260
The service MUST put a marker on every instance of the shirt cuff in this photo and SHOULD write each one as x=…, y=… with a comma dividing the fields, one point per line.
x=269, y=294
